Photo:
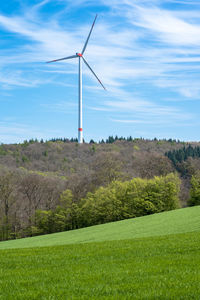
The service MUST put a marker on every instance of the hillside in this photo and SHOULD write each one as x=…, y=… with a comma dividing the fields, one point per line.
x=69, y=157
x=88, y=166
x=34, y=175
x=172, y=222
x=111, y=261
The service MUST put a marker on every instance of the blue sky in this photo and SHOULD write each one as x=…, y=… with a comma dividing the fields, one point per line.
x=146, y=52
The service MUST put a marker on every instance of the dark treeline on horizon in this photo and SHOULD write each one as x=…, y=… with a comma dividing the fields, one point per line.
x=109, y=140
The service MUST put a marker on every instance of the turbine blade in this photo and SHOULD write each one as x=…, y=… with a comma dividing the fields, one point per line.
x=89, y=35
x=64, y=58
x=93, y=72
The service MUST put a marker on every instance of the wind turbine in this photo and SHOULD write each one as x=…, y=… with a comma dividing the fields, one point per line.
x=80, y=57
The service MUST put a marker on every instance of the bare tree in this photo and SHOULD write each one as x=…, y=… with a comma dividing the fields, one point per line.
x=30, y=187
x=7, y=199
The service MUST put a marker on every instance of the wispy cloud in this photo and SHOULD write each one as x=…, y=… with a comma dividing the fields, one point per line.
x=18, y=132
x=61, y=106
x=135, y=43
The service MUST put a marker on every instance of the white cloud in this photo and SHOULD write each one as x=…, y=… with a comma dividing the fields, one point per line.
x=148, y=45
x=166, y=26
x=15, y=132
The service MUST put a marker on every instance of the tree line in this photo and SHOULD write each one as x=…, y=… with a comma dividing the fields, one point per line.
x=110, y=140
x=118, y=201
x=33, y=204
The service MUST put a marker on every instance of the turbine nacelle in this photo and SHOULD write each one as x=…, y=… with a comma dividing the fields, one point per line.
x=79, y=54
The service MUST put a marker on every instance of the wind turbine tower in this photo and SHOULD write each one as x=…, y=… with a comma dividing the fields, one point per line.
x=81, y=58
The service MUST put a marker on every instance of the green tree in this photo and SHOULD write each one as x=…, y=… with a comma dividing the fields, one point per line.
x=69, y=209
x=195, y=190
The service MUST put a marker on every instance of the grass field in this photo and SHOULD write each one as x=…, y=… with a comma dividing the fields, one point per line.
x=171, y=222
x=153, y=257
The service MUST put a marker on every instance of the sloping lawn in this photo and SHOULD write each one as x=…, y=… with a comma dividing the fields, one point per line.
x=171, y=222
x=165, y=267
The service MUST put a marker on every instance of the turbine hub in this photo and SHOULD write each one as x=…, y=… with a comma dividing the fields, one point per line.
x=79, y=54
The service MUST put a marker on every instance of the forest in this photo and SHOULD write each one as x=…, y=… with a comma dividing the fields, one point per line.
x=57, y=185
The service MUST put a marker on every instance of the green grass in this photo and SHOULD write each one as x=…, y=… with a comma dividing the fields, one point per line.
x=171, y=222
x=153, y=257
x=150, y=268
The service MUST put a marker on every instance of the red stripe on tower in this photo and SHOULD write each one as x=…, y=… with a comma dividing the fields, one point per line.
x=80, y=129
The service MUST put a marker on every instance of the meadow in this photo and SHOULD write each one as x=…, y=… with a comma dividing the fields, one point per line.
x=152, y=257
x=171, y=222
